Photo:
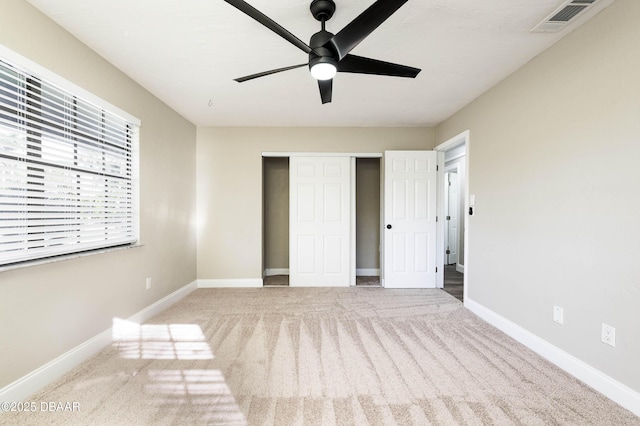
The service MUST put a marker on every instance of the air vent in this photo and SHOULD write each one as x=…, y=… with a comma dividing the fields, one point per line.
x=560, y=17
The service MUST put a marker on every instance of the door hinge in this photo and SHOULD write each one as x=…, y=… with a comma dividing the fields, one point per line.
x=448, y=217
x=437, y=168
x=436, y=269
x=436, y=218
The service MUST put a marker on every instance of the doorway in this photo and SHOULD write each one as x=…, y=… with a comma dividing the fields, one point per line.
x=453, y=194
x=276, y=219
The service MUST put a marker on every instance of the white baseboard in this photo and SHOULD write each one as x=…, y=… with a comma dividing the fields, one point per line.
x=162, y=304
x=276, y=271
x=460, y=268
x=360, y=272
x=230, y=283
x=611, y=388
x=367, y=272
x=39, y=378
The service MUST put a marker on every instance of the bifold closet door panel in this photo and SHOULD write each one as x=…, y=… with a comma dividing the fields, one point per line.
x=319, y=221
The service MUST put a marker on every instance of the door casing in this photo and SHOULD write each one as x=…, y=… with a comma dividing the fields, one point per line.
x=353, y=157
x=463, y=138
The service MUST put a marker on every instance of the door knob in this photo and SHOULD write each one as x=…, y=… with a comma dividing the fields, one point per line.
x=389, y=226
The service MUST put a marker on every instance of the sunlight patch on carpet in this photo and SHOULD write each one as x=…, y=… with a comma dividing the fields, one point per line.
x=160, y=341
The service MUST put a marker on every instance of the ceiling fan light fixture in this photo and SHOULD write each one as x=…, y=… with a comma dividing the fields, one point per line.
x=323, y=71
x=323, y=67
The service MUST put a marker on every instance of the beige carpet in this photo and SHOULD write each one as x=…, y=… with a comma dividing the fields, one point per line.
x=319, y=357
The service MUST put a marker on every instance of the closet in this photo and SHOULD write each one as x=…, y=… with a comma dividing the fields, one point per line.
x=328, y=253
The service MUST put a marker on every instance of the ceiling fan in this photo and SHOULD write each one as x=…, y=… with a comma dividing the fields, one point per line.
x=329, y=53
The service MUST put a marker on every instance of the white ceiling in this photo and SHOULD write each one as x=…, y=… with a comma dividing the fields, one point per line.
x=188, y=52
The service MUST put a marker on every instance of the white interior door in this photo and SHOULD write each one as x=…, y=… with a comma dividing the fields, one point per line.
x=451, y=242
x=320, y=221
x=410, y=219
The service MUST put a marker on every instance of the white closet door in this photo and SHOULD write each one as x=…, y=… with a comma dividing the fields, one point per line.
x=320, y=221
x=410, y=219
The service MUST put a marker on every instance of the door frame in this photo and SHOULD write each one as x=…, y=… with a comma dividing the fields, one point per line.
x=353, y=156
x=452, y=143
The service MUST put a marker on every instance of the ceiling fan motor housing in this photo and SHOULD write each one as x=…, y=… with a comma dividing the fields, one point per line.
x=322, y=10
x=320, y=53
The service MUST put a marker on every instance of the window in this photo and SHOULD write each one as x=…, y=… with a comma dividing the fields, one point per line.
x=67, y=171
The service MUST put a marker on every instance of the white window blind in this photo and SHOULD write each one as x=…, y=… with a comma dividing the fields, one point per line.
x=66, y=171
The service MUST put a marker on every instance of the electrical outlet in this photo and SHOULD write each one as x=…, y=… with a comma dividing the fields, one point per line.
x=608, y=335
x=148, y=284
x=558, y=314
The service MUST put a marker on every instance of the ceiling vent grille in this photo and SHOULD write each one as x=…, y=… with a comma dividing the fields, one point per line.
x=561, y=17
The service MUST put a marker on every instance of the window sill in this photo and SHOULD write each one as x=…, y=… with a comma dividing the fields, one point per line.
x=61, y=258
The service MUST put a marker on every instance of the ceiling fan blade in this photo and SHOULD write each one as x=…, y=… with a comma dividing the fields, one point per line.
x=264, y=73
x=326, y=90
x=245, y=7
x=360, y=65
x=358, y=29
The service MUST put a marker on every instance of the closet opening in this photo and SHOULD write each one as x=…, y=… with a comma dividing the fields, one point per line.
x=275, y=221
x=275, y=215
x=368, y=221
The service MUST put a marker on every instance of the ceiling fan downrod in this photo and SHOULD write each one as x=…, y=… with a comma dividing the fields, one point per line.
x=322, y=60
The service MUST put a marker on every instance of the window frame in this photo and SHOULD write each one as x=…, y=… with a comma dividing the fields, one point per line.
x=129, y=151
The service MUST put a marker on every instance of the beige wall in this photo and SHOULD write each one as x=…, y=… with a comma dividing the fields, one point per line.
x=47, y=310
x=229, y=184
x=554, y=158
